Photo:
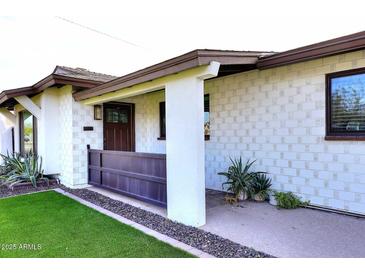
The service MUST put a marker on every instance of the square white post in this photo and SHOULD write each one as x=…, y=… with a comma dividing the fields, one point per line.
x=49, y=131
x=185, y=151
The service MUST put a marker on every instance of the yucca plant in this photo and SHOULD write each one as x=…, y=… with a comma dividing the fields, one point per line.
x=22, y=169
x=239, y=177
x=260, y=187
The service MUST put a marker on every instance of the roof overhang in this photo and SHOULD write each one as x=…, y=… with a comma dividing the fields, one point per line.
x=7, y=96
x=230, y=61
x=335, y=46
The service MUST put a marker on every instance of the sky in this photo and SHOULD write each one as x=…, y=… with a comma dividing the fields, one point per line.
x=133, y=35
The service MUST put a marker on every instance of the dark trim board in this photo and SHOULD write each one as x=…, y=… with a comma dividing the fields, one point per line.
x=131, y=153
x=6, y=96
x=343, y=44
x=230, y=61
x=344, y=138
x=235, y=61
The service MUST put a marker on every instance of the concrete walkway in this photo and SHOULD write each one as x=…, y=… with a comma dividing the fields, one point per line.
x=286, y=233
x=281, y=233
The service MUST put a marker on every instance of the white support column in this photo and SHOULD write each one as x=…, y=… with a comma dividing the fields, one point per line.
x=29, y=105
x=185, y=151
x=49, y=131
x=185, y=148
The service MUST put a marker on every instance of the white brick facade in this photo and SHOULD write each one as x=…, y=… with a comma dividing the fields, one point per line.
x=66, y=152
x=73, y=140
x=277, y=117
x=84, y=116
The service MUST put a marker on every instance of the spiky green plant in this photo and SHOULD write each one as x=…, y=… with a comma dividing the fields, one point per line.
x=260, y=186
x=21, y=169
x=239, y=177
x=7, y=163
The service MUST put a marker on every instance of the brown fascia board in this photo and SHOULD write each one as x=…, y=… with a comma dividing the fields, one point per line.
x=54, y=79
x=335, y=46
x=180, y=63
x=50, y=80
x=11, y=93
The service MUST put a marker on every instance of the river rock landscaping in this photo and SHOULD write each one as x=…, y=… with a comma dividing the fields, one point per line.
x=26, y=189
x=204, y=241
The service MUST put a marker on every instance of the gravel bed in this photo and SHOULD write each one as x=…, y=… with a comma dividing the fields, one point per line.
x=6, y=192
x=205, y=241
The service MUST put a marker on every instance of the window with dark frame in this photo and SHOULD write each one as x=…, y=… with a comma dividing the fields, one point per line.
x=27, y=132
x=345, y=105
x=206, y=119
x=162, y=121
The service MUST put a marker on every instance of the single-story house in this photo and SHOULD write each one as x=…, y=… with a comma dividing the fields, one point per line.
x=161, y=134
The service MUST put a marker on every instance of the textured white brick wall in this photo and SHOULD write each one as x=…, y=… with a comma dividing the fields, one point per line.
x=66, y=154
x=83, y=115
x=74, y=116
x=277, y=117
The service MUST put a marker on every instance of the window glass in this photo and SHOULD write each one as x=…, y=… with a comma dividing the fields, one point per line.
x=27, y=132
x=123, y=117
x=206, y=115
x=162, y=120
x=116, y=115
x=347, y=96
x=206, y=118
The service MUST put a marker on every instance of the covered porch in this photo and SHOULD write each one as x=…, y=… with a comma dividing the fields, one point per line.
x=152, y=152
x=138, y=161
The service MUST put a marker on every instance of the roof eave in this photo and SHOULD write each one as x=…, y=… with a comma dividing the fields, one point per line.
x=331, y=47
x=178, y=64
x=50, y=80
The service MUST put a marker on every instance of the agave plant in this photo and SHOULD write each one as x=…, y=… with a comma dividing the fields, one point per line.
x=239, y=177
x=260, y=187
x=21, y=169
x=7, y=163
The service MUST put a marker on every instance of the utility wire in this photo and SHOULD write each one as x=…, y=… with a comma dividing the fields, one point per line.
x=98, y=31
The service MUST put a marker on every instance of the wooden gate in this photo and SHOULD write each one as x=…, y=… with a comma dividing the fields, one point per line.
x=138, y=175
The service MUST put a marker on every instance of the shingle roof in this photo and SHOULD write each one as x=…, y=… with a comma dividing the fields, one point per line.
x=82, y=73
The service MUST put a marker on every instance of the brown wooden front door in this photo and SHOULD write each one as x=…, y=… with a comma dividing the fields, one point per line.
x=119, y=127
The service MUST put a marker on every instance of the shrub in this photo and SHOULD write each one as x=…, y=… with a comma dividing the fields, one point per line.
x=19, y=169
x=239, y=177
x=260, y=186
x=289, y=200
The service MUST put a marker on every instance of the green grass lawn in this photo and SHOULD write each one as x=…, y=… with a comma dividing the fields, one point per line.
x=65, y=228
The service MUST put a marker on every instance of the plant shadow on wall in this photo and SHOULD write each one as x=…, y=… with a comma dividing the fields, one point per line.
x=19, y=170
x=242, y=183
